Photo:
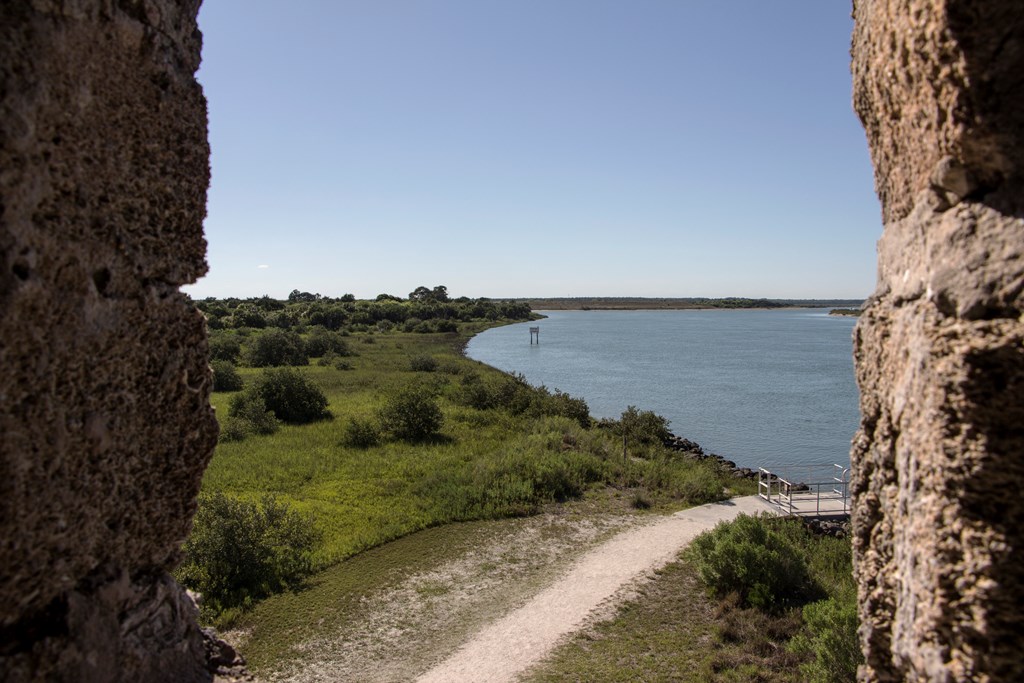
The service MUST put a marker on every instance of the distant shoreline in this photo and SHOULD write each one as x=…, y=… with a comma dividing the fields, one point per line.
x=655, y=304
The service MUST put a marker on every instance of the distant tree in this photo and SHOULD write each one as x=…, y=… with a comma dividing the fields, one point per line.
x=248, y=315
x=388, y=297
x=322, y=341
x=331, y=316
x=421, y=293
x=347, y=297
x=224, y=346
x=438, y=294
x=297, y=296
x=282, y=319
x=266, y=303
x=276, y=347
x=225, y=377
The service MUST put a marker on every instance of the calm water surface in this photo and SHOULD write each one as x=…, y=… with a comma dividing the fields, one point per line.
x=759, y=387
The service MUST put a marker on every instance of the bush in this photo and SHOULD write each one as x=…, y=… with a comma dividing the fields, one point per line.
x=643, y=426
x=250, y=415
x=569, y=406
x=240, y=551
x=423, y=363
x=292, y=396
x=225, y=377
x=276, y=347
x=322, y=341
x=473, y=392
x=224, y=346
x=361, y=433
x=831, y=636
x=235, y=429
x=248, y=315
x=411, y=413
x=747, y=557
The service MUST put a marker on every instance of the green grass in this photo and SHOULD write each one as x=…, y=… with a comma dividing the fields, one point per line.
x=484, y=464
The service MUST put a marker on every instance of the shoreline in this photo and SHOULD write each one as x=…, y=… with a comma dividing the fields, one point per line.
x=679, y=303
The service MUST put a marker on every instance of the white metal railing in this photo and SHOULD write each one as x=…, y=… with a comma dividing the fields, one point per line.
x=815, y=494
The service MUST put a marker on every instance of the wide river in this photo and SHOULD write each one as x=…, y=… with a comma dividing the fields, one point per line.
x=761, y=387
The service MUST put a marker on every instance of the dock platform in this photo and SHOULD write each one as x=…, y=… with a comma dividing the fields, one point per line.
x=818, y=491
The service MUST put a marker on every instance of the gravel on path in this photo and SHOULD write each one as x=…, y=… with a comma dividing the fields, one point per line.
x=513, y=643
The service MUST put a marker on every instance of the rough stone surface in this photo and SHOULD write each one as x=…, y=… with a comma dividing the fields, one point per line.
x=105, y=424
x=938, y=463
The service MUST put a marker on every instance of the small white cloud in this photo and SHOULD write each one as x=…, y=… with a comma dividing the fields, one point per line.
x=263, y=265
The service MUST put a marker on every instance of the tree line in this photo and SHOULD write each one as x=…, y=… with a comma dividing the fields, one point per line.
x=424, y=310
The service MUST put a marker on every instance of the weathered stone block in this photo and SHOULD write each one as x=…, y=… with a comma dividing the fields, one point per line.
x=938, y=462
x=105, y=423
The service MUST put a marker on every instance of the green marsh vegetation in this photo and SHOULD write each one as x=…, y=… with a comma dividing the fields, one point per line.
x=362, y=422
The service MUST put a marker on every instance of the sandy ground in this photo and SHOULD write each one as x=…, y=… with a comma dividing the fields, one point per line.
x=398, y=633
x=490, y=614
x=513, y=643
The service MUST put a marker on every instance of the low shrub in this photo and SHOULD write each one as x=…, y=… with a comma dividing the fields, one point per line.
x=321, y=341
x=225, y=346
x=292, y=396
x=747, y=557
x=643, y=426
x=240, y=551
x=423, y=363
x=411, y=413
x=471, y=391
x=640, y=501
x=568, y=406
x=830, y=636
x=235, y=429
x=225, y=376
x=276, y=347
x=361, y=433
x=248, y=414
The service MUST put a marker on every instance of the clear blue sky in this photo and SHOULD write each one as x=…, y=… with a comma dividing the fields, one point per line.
x=535, y=148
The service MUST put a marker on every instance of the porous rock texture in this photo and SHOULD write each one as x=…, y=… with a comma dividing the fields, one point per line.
x=938, y=463
x=105, y=423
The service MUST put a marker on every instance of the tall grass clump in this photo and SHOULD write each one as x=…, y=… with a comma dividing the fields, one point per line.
x=411, y=413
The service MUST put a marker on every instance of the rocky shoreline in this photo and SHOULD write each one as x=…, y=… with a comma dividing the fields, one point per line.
x=694, y=451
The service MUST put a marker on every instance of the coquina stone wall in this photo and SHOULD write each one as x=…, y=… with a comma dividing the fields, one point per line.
x=938, y=463
x=105, y=426
x=105, y=423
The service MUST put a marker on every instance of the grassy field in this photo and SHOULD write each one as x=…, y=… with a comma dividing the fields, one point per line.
x=423, y=541
x=484, y=463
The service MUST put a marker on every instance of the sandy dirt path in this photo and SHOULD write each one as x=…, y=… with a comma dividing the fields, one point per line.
x=510, y=645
